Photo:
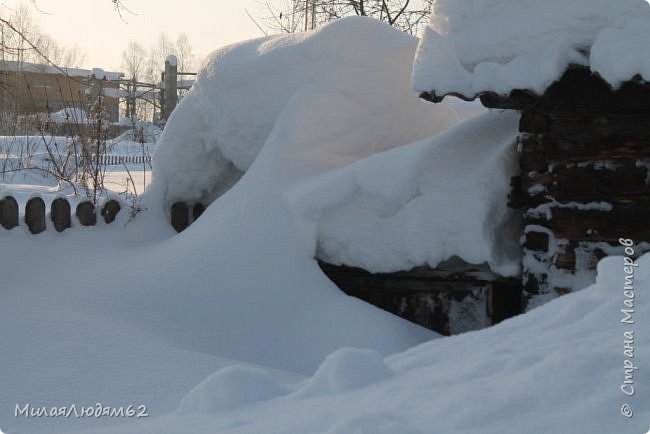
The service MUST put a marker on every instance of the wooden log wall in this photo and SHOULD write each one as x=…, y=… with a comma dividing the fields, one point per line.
x=585, y=179
x=453, y=298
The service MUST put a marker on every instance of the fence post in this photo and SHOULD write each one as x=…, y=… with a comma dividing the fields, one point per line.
x=35, y=215
x=180, y=216
x=110, y=210
x=86, y=213
x=197, y=210
x=60, y=214
x=171, y=92
x=8, y=212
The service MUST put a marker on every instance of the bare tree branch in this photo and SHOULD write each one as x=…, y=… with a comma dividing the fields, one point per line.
x=406, y=15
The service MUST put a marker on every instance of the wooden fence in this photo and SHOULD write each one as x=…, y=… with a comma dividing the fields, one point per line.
x=116, y=160
x=35, y=215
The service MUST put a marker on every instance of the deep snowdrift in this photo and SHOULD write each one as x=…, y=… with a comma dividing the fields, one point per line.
x=557, y=369
x=499, y=45
x=132, y=315
x=316, y=104
x=421, y=204
x=220, y=126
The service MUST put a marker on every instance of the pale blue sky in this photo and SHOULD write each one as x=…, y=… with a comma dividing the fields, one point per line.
x=96, y=28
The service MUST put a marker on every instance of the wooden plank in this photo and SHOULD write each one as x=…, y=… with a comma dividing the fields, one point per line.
x=85, y=212
x=543, y=149
x=8, y=212
x=180, y=216
x=60, y=214
x=35, y=215
x=577, y=91
x=504, y=300
x=533, y=122
x=626, y=220
x=590, y=254
x=606, y=127
x=110, y=210
x=448, y=270
x=595, y=181
x=384, y=283
x=517, y=100
x=536, y=241
x=423, y=295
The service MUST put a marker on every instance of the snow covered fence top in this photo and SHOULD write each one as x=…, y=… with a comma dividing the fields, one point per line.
x=476, y=46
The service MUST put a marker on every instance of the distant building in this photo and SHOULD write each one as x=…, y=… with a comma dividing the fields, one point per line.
x=29, y=88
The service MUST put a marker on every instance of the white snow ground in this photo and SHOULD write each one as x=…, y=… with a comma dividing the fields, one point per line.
x=230, y=327
x=26, y=169
x=96, y=322
x=557, y=369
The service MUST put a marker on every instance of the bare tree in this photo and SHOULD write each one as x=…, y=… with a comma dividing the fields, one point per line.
x=51, y=50
x=134, y=64
x=17, y=38
x=133, y=60
x=299, y=15
x=23, y=41
x=184, y=53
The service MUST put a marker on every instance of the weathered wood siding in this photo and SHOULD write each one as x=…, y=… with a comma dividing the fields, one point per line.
x=584, y=184
x=453, y=298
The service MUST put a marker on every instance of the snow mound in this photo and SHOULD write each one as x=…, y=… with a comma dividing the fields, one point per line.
x=346, y=369
x=373, y=423
x=620, y=54
x=219, y=127
x=451, y=194
x=462, y=52
x=231, y=387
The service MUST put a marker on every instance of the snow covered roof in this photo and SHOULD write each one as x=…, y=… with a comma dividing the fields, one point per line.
x=481, y=46
x=50, y=69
